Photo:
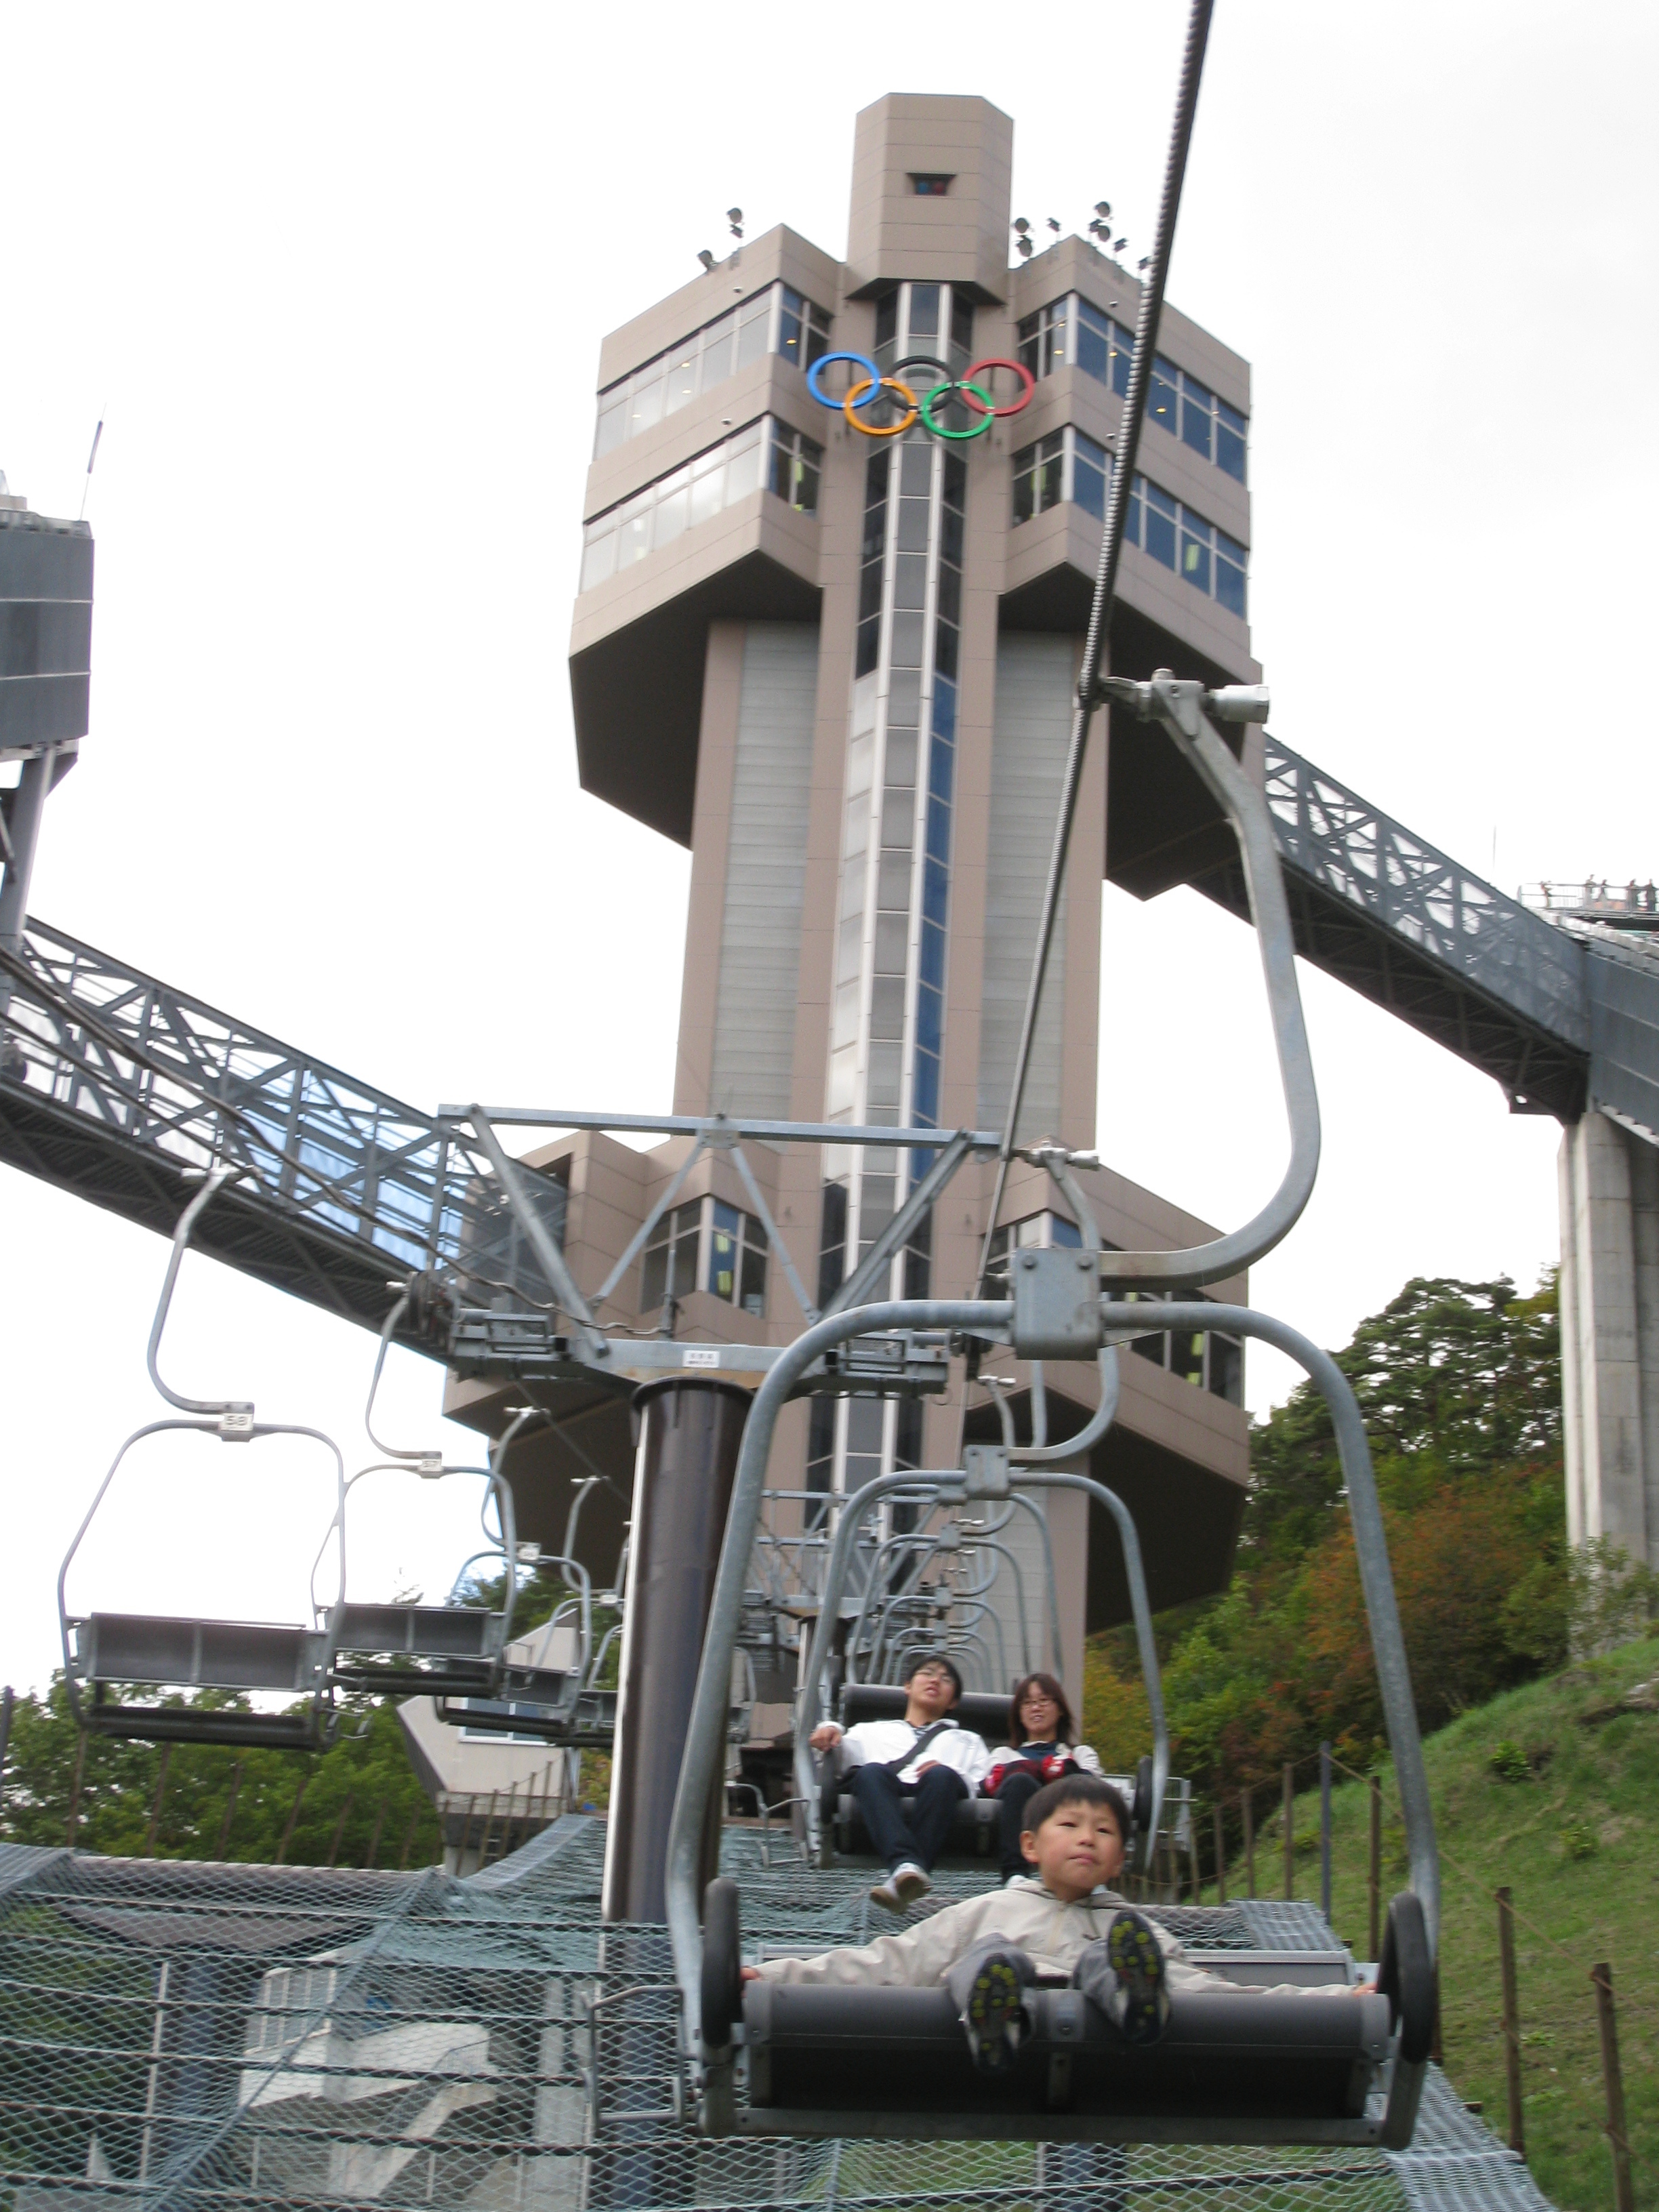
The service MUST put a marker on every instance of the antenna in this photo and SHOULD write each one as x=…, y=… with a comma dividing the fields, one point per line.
x=91, y=457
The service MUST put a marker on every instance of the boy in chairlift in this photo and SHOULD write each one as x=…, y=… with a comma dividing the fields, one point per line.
x=1059, y=1922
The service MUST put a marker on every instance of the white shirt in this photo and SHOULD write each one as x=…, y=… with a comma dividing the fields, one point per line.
x=878, y=1743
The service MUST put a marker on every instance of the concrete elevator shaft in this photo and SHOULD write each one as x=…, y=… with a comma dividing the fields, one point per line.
x=688, y=1435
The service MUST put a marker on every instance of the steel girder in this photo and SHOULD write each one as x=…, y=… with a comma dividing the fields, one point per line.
x=1404, y=926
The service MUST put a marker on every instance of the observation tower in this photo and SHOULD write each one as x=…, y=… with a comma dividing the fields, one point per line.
x=830, y=645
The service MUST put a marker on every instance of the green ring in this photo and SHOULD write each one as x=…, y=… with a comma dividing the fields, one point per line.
x=957, y=384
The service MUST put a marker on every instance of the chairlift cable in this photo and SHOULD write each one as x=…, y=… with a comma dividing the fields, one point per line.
x=1094, y=648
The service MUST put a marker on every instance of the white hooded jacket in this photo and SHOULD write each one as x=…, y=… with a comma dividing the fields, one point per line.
x=1026, y=1914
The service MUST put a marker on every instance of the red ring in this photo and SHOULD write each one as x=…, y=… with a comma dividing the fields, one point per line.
x=1020, y=371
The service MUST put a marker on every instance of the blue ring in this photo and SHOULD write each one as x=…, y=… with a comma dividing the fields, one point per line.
x=858, y=361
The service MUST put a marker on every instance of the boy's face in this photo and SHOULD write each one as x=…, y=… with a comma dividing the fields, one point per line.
x=932, y=1688
x=1077, y=1848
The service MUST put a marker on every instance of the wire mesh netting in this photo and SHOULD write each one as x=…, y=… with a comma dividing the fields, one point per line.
x=178, y=2035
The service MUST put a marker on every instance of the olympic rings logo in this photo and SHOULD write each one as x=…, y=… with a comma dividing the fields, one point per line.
x=913, y=406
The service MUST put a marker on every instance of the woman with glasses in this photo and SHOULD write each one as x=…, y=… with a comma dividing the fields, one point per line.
x=1042, y=1747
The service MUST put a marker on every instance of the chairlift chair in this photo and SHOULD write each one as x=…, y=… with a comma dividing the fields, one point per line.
x=107, y=1656
x=768, y=2059
x=1254, y=2066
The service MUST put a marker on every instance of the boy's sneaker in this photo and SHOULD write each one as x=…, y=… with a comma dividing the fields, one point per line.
x=994, y=2016
x=1138, y=2004
x=899, y=1890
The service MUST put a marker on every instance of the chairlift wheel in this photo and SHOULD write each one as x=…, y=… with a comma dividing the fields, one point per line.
x=1406, y=1978
x=1142, y=1813
x=722, y=1963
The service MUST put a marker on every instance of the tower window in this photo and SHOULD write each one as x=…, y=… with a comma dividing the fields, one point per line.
x=931, y=187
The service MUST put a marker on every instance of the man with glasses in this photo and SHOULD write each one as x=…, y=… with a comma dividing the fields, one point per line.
x=926, y=1758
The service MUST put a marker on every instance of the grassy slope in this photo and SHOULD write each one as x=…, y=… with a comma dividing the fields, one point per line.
x=1594, y=1789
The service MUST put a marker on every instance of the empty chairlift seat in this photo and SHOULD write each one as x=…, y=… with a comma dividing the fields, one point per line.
x=1232, y=2067
x=114, y=1653
x=436, y=1650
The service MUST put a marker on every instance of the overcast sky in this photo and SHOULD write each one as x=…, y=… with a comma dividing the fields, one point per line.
x=336, y=278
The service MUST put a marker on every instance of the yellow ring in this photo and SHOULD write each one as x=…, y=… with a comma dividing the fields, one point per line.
x=888, y=383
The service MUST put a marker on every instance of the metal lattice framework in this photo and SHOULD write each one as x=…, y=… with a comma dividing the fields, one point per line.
x=1402, y=923
x=123, y=1090
x=120, y=1088
x=179, y=2035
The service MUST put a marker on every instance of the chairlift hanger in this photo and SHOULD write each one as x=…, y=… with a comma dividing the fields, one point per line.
x=1060, y=1308
x=114, y=1654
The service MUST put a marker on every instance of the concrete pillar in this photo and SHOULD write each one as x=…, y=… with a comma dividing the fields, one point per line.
x=1609, y=1196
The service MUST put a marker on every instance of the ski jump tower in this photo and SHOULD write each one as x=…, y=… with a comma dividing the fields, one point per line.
x=840, y=665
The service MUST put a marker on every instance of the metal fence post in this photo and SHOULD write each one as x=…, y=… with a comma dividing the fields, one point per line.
x=1247, y=1810
x=7, y=1701
x=293, y=1815
x=1290, y=1834
x=1511, y=2018
x=1375, y=1873
x=1624, y=2189
x=1221, y=1855
x=1324, y=1830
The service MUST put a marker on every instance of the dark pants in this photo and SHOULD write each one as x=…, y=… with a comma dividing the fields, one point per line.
x=915, y=1834
x=1016, y=1793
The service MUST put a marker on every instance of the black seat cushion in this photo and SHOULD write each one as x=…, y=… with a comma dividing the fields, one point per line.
x=1225, y=2055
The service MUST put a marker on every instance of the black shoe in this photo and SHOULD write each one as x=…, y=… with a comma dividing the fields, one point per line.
x=1138, y=2006
x=994, y=2016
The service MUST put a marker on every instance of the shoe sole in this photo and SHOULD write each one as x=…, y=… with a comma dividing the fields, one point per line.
x=888, y=1900
x=993, y=2006
x=1137, y=1962
x=908, y=1887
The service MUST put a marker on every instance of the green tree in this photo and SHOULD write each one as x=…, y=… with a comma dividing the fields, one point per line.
x=1460, y=1385
x=358, y=1799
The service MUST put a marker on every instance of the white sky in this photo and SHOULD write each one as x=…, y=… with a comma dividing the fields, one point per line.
x=336, y=279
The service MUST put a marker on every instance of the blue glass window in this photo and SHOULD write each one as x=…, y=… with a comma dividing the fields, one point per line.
x=1123, y=351
x=945, y=710
x=939, y=834
x=1229, y=573
x=930, y=1018
x=1197, y=413
x=933, y=955
x=1089, y=475
x=1094, y=341
x=935, y=893
x=1164, y=401
x=1230, y=427
x=1195, y=551
x=1159, y=524
x=924, y=1097
x=941, y=762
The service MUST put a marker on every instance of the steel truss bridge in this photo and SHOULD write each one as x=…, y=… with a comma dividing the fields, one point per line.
x=122, y=1088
